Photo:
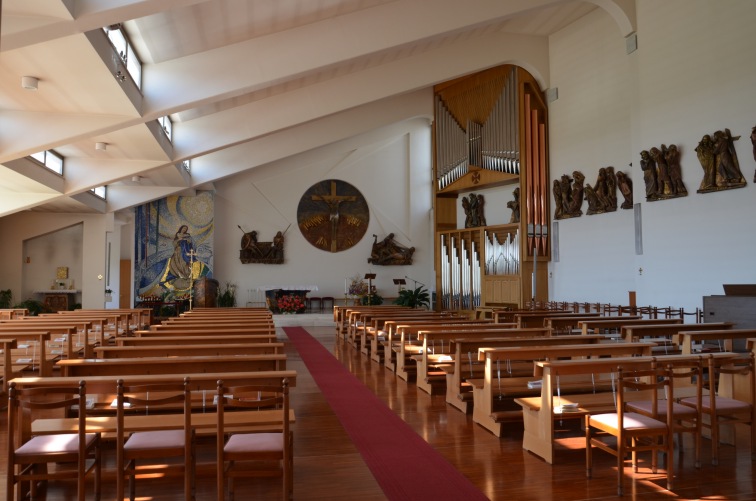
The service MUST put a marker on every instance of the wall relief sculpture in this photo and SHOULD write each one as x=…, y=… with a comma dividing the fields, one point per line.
x=253, y=251
x=625, y=185
x=602, y=196
x=515, y=206
x=719, y=162
x=473, y=207
x=389, y=252
x=568, y=195
x=662, y=173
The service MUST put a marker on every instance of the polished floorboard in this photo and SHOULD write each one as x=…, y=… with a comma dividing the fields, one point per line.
x=327, y=465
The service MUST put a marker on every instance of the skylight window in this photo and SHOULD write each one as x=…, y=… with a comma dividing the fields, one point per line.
x=100, y=191
x=167, y=126
x=50, y=159
x=187, y=165
x=125, y=52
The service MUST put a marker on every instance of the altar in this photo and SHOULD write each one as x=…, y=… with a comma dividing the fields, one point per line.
x=274, y=293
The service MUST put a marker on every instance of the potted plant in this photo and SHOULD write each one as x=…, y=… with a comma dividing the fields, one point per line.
x=6, y=298
x=372, y=299
x=413, y=298
x=227, y=297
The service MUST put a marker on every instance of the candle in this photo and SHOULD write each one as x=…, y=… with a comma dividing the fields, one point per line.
x=346, y=288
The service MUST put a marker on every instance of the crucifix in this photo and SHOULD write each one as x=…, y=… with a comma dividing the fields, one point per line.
x=333, y=201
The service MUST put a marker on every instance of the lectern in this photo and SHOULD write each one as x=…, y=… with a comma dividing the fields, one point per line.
x=205, y=293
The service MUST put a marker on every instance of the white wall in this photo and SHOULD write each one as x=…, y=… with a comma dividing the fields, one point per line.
x=390, y=167
x=692, y=74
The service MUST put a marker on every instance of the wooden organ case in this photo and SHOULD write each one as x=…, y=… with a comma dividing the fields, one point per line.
x=489, y=130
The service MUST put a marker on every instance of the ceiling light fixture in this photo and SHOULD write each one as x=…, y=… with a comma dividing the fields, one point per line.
x=136, y=179
x=101, y=146
x=30, y=83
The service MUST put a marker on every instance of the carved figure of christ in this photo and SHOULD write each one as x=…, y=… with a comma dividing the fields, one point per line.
x=333, y=201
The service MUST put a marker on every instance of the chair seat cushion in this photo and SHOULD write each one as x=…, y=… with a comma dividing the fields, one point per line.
x=724, y=405
x=46, y=444
x=254, y=442
x=678, y=410
x=632, y=421
x=146, y=440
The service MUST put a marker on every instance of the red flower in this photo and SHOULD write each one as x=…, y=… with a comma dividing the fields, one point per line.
x=291, y=304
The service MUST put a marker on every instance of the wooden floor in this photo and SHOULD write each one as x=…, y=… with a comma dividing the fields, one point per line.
x=328, y=467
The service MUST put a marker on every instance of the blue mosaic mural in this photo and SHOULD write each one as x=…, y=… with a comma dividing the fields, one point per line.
x=173, y=245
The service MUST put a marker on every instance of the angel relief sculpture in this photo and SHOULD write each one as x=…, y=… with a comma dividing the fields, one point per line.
x=568, y=195
x=253, y=251
x=719, y=162
x=602, y=196
x=662, y=173
x=389, y=252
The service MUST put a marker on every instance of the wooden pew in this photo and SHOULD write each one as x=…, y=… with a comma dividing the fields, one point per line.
x=508, y=316
x=13, y=313
x=6, y=345
x=184, y=350
x=215, y=339
x=595, y=326
x=341, y=318
x=138, y=317
x=207, y=331
x=539, y=412
x=660, y=333
x=371, y=335
x=117, y=367
x=565, y=325
x=113, y=323
x=465, y=363
x=102, y=388
x=406, y=348
x=40, y=356
x=493, y=398
x=685, y=339
x=391, y=335
x=538, y=319
x=395, y=331
x=436, y=353
x=358, y=319
x=61, y=336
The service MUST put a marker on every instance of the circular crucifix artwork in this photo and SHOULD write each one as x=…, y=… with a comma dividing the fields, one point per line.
x=333, y=215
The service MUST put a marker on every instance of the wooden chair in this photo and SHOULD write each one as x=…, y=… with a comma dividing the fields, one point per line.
x=634, y=432
x=685, y=419
x=326, y=304
x=152, y=445
x=269, y=454
x=29, y=462
x=315, y=304
x=725, y=410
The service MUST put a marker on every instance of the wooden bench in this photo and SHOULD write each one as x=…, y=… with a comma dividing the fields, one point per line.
x=18, y=358
x=217, y=339
x=371, y=335
x=565, y=325
x=341, y=316
x=686, y=339
x=85, y=367
x=9, y=370
x=539, y=412
x=111, y=324
x=358, y=320
x=390, y=335
x=205, y=331
x=493, y=397
x=595, y=326
x=466, y=365
x=436, y=351
x=61, y=340
x=538, y=319
x=405, y=347
x=183, y=350
x=504, y=315
x=664, y=333
x=102, y=388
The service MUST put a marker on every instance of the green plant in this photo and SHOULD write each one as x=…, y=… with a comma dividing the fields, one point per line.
x=6, y=298
x=227, y=297
x=372, y=299
x=35, y=307
x=413, y=298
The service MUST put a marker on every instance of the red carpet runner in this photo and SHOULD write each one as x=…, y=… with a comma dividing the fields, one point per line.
x=405, y=466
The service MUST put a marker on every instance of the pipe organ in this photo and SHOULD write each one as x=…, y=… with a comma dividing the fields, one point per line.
x=490, y=131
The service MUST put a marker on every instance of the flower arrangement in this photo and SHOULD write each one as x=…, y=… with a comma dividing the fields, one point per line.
x=357, y=287
x=291, y=304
